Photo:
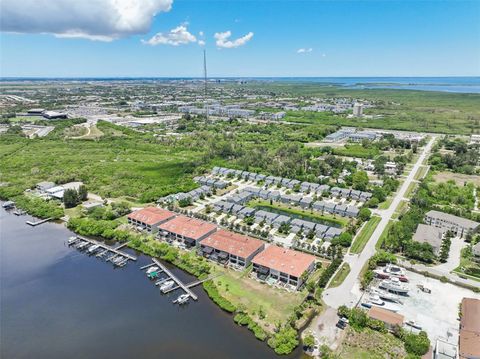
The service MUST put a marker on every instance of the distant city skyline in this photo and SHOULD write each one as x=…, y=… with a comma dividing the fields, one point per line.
x=166, y=38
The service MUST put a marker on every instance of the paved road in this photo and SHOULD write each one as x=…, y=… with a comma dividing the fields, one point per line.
x=348, y=293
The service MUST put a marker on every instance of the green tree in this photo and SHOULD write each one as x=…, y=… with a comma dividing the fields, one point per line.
x=360, y=180
x=70, y=198
x=82, y=193
x=364, y=214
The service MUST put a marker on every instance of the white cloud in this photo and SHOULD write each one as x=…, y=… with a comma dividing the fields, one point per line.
x=201, y=42
x=201, y=33
x=222, y=40
x=304, y=50
x=175, y=37
x=103, y=20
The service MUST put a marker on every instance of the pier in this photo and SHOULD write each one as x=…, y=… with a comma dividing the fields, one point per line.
x=175, y=279
x=193, y=284
x=115, y=252
x=33, y=224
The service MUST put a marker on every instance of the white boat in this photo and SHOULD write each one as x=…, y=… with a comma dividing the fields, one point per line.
x=167, y=285
x=375, y=299
x=72, y=240
x=93, y=248
x=182, y=299
x=82, y=245
x=385, y=295
x=152, y=269
x=395, y=270
x=394, y=285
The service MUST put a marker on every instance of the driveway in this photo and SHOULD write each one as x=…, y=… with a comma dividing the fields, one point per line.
x=453, y=260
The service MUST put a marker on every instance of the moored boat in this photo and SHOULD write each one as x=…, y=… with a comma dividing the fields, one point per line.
x=182, y=299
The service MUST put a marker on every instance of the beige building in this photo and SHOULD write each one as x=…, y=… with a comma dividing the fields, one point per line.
x=458, y=225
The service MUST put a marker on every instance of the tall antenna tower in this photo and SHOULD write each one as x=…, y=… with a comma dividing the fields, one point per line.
x=205, y=82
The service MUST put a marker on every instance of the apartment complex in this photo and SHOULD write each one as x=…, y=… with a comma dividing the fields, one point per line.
x=458, y=225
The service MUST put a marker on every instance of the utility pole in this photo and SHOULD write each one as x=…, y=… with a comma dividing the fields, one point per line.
x=205, y=82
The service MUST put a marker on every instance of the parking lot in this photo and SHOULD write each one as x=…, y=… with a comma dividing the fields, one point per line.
x=436, y=312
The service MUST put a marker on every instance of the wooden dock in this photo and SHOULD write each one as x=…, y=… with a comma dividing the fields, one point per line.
x=115, y=251
x=33, y=224
x=193, y=284
x=176, y=280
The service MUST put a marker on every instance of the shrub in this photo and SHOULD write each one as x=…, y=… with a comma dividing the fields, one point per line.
x=213, y=293
x=284, y=341
x=416, y=344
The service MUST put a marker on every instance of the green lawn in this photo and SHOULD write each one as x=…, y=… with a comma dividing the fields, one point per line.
x=410, y=190
x=340, y=276
x=280, y=208
x=422, y=171
x=364, y=235
x=385, y=204
x=239, y=289
x=383, y=235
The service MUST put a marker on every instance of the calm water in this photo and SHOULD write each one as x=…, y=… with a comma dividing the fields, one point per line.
x=57, y=302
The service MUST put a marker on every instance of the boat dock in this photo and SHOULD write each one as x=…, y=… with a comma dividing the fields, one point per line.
x=33, y=224
x=180, y=284
x=114, y=255
x=193, y=284
x=175, y=279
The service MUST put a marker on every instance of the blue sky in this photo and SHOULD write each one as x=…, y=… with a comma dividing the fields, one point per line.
x=339, y=38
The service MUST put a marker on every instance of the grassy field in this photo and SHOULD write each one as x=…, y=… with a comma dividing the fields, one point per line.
x=111, y=167
x=299, y=213
x=356, y=151
x=238, y=288
x=385, y=204
x=459, y=178
x=364, y=235
x=401, y=208
x=422, y=171
x=410, y=189
x=340, y=276
x=369, y=344
x=383, y=235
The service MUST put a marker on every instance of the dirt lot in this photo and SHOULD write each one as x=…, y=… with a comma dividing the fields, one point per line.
x=459, y=178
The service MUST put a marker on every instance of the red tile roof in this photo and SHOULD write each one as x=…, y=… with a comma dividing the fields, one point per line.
x=188, y=227
x=385, y=316
x=284, y=260
x=470, y=328
x=151, y=215
x=233, y=243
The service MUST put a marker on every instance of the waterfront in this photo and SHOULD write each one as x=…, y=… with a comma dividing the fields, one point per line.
x=57, y=302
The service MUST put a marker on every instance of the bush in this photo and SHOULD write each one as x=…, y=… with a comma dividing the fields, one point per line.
x=38, y=207
x=284, y=341
x=243, y=319
x=416, y=344
x=213, y=293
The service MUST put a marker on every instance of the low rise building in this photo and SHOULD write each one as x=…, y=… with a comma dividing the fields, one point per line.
x=469, y=338
x=189, y=231
x=231, y=248
x=149, y=218
x=283, y=265
x=388, y=317
x=458, y=225
x=431, y=235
